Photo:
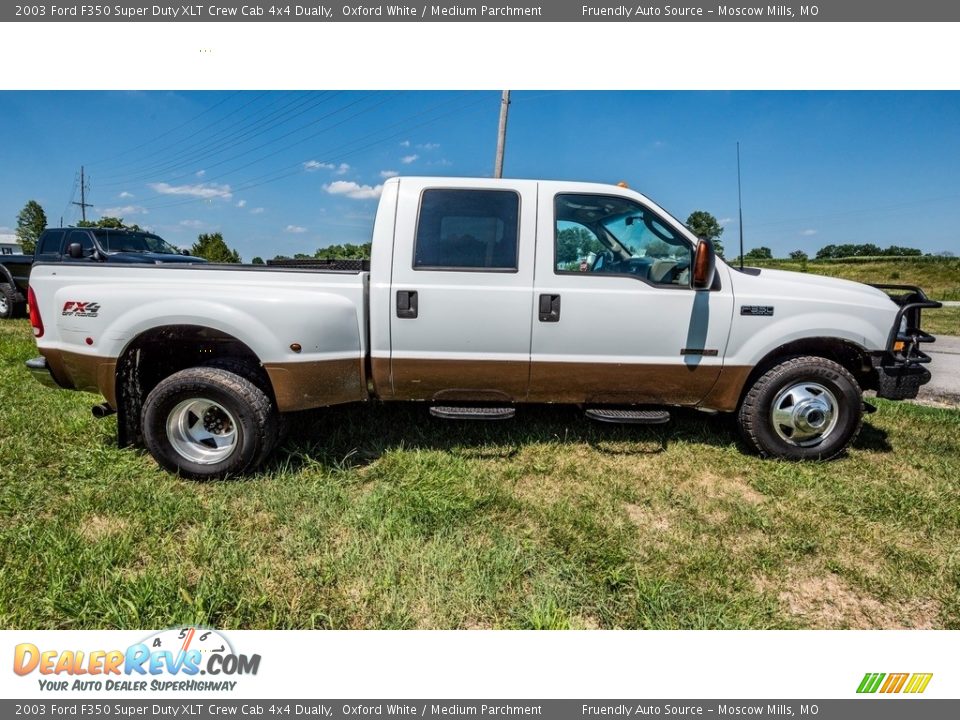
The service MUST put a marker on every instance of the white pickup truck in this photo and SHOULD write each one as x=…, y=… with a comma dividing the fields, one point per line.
x=480, y=295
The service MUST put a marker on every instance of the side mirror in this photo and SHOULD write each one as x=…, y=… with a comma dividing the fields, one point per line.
x=704, y=265
x=184, y=252
x=75, y=250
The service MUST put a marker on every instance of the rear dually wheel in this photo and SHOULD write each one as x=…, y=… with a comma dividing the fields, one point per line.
x=206, y=423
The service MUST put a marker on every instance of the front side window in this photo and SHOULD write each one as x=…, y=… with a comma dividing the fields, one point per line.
x=82, y=237
x=467, y=230
x=602, y=234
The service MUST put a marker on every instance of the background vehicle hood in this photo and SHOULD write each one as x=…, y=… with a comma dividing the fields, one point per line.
x=149, y=257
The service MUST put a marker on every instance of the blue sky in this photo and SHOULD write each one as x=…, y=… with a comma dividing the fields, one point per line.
x=283, y=172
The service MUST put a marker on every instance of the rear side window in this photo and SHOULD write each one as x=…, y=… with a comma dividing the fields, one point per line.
x=467, y=230
x=50, y=242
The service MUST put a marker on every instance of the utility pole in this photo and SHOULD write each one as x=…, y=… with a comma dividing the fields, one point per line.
x=83, y=196
x=502, y=134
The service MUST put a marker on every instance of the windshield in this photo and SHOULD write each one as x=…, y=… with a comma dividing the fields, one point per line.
x=126, y=241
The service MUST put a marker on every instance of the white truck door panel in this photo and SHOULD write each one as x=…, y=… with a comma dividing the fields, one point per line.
x=461, y=301
x=626, y=327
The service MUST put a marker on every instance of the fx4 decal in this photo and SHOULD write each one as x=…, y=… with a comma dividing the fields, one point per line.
x=75, y=308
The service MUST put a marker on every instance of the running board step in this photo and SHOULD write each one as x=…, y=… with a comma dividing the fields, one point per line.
x=632, y=417
x=447, y=412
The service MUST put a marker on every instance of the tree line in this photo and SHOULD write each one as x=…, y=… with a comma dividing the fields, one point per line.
x=572, y=243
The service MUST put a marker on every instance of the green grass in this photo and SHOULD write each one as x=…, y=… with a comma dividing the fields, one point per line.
x=939, y=277
x=384, y=518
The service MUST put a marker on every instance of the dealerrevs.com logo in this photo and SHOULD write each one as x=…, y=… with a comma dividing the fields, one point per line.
x=173, y=659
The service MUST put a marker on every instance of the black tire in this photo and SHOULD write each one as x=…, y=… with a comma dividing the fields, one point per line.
x=805, y=408
x=258, y=376
x=9, y=307
x=238, y=410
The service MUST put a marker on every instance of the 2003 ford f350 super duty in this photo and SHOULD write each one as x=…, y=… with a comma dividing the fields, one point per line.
x=480, y=295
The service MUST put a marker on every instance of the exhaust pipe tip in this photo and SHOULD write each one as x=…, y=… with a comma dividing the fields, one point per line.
x=102, y=410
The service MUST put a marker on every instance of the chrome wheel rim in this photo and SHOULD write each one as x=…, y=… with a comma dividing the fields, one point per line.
x=804, y=414
x=4, y=307
x=202, y=431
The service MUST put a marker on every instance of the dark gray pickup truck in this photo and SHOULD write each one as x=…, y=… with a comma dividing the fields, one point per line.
x=81, y=245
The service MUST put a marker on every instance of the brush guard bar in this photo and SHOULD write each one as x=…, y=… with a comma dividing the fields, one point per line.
x=900, y=369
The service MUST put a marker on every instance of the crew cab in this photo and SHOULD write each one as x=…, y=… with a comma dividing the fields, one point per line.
x=76, y=244
x=480, y=296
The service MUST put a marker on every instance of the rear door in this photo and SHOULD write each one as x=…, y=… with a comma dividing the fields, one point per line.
x=461, y=290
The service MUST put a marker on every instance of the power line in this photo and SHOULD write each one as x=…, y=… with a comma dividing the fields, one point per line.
x=167, y=132
x=288, y=170
x=216, y=149
x=218, y=140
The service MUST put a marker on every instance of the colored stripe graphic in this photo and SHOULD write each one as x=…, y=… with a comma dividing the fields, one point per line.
x=870, y=682
x=918, y=683
x=894, y=683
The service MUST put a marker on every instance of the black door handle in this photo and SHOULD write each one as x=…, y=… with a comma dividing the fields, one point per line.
x=406, y=303
x=549, y=308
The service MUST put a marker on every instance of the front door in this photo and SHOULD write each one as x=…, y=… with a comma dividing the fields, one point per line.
x=461, y=291
x=627, y=327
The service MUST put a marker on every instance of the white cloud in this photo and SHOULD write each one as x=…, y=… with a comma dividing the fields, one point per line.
x=725, y=221
x=296, y=229
x=195, y=224
x=429, y=146
x=256, y=210
x=808, y=232
x=241, y=203
x=123, y=211
x=124, y=195
x=353, y=190
x=442, y=162
x=405, y=143
x=201, y=173
x=388, y=173
x=200, y=190
x=312, y=165
x=407, y=159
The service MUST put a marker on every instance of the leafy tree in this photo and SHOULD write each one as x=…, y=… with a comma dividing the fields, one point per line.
x=575, y=243
x=31, y=221
x=112, y=223
x=347, y=251
x=703, y=224
x=212, y=247
x=258, y=260
x=759, y=253
x=798, y=255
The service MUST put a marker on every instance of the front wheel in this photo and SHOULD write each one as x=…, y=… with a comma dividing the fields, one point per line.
x=206, y=423
x=806, y=408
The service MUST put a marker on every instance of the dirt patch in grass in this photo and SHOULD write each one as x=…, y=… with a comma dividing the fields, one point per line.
x=98, y=527
x=715, y=487
x=646, y=518
x=827, y=601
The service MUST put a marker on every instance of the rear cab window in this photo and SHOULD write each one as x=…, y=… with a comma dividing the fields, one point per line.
x=50, y=243
x=467, y=230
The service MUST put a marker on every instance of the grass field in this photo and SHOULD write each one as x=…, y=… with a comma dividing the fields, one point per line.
x=939, y=277
x=384, y=518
